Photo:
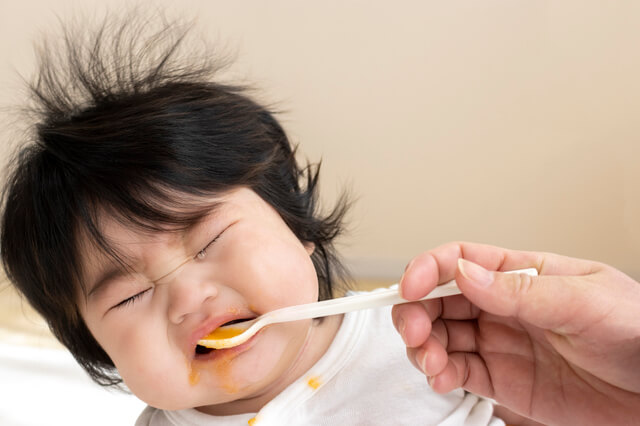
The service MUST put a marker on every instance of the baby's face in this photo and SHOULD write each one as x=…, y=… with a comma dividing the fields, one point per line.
x=149, y=321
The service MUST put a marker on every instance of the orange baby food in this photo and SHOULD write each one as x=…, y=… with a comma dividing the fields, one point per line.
x=223, y=333
x=221, y=370
x=194, y=375
x=314, y=382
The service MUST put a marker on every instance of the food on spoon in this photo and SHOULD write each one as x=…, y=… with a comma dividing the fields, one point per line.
x=226, y=331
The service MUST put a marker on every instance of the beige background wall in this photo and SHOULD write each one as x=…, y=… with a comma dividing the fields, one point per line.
x=507, y=122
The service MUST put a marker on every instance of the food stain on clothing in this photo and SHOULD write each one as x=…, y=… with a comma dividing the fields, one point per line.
x=314, y=382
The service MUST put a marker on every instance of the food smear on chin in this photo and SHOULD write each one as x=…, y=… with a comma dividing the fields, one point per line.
x=194, y=375
x=219, y=369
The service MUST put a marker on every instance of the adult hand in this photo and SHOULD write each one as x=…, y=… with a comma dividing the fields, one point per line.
x=559, y=348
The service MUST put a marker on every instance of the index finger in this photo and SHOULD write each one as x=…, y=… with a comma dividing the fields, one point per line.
x=439, y=265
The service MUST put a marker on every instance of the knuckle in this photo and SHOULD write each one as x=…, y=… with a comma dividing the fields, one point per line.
x=440, y=333
x=520, y=287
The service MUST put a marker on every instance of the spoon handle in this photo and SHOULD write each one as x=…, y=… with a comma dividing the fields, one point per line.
x=356, y=302
x=244, y=330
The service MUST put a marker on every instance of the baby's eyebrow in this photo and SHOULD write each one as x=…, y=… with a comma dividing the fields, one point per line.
x=108, y=276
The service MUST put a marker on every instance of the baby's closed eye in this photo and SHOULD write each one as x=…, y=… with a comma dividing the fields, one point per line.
x=132, y=299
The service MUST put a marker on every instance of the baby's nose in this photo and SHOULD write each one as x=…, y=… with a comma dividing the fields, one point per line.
x=188, y=293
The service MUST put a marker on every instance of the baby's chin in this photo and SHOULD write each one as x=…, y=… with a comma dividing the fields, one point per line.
x=265, y=367
x=185, y=396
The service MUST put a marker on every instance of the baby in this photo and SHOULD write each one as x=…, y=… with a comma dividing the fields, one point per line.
x=155, y=205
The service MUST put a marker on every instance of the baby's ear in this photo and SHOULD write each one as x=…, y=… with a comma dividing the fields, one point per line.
x=309, y=246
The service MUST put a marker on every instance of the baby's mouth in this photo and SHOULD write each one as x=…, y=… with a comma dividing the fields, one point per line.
x=203, y=350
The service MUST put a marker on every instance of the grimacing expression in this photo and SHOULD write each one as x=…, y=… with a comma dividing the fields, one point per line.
x=238, y=262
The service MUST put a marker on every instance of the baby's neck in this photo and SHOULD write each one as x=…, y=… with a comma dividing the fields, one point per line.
x=321, y=335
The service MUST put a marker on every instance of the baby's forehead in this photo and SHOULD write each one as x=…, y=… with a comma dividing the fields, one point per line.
x=172, y=212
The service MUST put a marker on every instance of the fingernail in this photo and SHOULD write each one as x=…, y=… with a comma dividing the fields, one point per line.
x=430, y=380
x=475, y=273
x=404, y=273
x=422, y=356
x=406, y=268
x=401, y=327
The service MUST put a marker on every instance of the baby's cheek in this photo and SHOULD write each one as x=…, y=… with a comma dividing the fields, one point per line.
x=152, y=378
x=295, y=284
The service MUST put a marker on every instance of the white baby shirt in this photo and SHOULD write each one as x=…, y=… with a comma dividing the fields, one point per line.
x=364, y=378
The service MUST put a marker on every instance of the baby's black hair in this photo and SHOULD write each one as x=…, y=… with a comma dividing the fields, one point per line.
x=123, y=123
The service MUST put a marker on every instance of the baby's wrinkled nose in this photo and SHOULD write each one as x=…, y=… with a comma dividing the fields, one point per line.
x=188, y=292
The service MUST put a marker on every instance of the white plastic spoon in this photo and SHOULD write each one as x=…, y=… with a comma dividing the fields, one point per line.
x=235, y=334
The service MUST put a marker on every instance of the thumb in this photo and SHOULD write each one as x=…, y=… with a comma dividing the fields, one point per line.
x=546, y=301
